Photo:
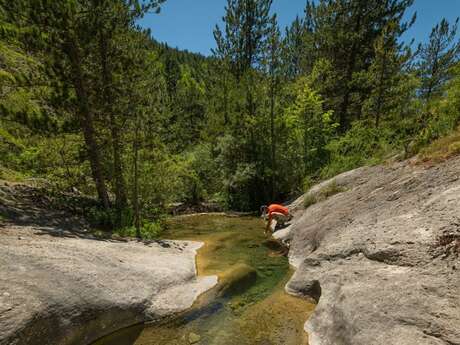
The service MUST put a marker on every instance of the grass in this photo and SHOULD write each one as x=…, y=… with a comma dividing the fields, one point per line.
x=148, y=231
x=309, y=200
x=324, y=193
x=11, y=175
x=441, y=149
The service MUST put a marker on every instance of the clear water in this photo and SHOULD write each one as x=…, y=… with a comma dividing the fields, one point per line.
x=251, y=307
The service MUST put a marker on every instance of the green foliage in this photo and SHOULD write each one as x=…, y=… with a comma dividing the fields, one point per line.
x=11, y=175
x=189, y=177
x=343, y=36
x=100, y=218
x=242, y=42
x=437, y=57
x=90, y=101
x=362, y=144
x=20, y=99
x=444, y=113
x=151, y=225
x=59, y=159
x=309, y=128
x=196, y=171
x=148, y=231
x=307, y=183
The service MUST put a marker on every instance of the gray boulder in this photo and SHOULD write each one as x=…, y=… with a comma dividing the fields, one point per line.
x=381, y=257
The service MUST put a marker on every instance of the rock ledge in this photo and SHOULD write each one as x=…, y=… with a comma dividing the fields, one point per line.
x=56, y=289
x=382, y=257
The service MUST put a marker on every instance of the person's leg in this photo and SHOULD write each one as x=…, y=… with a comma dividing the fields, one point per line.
x=278, y=219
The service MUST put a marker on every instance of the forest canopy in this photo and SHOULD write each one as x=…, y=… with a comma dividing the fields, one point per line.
x=91, y=103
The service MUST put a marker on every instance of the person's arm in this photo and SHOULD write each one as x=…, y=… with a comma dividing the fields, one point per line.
x=269, y=221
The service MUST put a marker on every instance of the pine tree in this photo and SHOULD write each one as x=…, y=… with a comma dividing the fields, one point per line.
x=274, y=70
x=67, y=34
x=295, y=49
x=344, y=33
x=243, y=45
x=143, y=98
x=73, y=33
x=113, y=20
x=386, y=74
x=310, y=128
x=247, y=23
x=437, y=57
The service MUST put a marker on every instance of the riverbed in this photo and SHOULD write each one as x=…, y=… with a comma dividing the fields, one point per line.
x=248, y=307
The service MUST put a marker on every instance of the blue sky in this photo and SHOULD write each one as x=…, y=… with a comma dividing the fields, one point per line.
x=188, y=24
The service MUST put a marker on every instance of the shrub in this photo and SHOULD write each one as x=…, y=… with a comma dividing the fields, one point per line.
x=11, y=175
x=100, y=218
x=359, y=146
x=309, y=200
x=323, y=194
x=329, y=190
x=307, y=183
x=149, y=230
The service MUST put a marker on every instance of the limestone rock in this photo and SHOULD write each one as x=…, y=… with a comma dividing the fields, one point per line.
x=61, y=290
x=381, y=256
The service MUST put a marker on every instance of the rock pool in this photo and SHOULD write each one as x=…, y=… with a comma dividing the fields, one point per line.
x=248, y=307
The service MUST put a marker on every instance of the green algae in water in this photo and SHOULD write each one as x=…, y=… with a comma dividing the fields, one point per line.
x=230, y=241
x=255, y=310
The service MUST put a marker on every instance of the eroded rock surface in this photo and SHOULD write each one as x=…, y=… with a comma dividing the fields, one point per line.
x=381, y=257
x=58, y=289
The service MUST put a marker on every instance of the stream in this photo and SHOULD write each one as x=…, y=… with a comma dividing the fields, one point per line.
x=249, y=305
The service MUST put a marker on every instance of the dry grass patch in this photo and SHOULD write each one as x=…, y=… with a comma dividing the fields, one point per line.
x=326, y=192
x=11, y=175
x=441, y=149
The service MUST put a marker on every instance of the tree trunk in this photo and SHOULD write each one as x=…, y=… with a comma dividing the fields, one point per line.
x=120, y=186
x=272, y=138
x=86, y=121
x=305, y=145
x=137, y=217
x=225, y=99
x=343, y=120
x=380, y=94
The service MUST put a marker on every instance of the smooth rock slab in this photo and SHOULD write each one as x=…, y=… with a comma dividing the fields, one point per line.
x=61, y=290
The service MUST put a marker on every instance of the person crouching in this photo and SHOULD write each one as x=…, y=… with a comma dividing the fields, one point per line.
x=276, y=213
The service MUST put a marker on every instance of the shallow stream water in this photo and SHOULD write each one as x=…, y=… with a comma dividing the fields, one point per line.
x=251, y=307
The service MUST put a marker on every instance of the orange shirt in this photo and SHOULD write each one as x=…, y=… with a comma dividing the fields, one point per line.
x=275, y=208
x=278, y=209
